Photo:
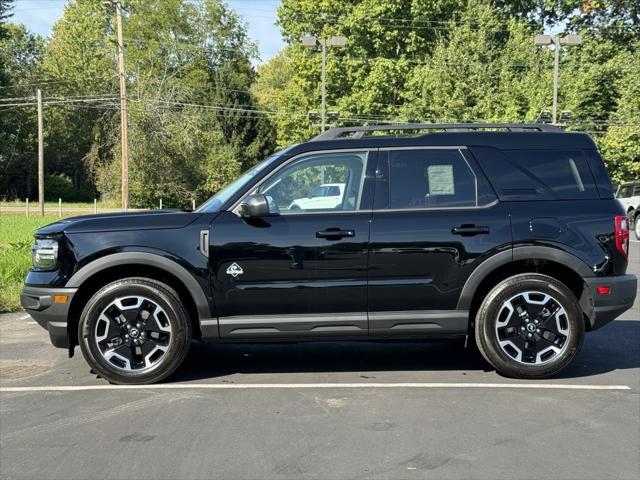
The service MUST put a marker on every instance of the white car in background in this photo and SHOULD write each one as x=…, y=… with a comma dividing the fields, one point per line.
x=629, y=195
x=325, y=196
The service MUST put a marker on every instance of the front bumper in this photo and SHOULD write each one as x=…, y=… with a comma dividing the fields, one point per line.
x=605, y=308
x=38, y=302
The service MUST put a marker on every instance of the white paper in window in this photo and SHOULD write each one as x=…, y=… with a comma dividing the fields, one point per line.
x=440, y=180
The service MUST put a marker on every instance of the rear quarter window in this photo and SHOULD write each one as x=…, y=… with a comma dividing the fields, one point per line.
x=565, y=172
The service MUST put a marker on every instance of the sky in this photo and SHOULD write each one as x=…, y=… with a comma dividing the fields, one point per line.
x=260, y=16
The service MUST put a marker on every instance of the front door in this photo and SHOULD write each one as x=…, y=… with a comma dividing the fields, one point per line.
x=435, y=219
x=302, y=270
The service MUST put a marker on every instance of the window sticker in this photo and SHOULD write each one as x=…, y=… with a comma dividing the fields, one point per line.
x=440, y=180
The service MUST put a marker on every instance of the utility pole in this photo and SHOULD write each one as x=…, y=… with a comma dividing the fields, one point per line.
x=123, y=107
x=40, y=153
x=546, y=40
x=323, y=104
x=311, y=42
x=556, y=75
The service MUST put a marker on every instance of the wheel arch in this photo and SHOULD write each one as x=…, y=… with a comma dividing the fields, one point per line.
x=104, y=270
x=555, y=263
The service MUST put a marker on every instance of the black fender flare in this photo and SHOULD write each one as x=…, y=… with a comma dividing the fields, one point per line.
x=153, y=260
x=525, y=252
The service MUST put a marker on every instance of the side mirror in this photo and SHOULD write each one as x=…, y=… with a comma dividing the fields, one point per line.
x=254, y=206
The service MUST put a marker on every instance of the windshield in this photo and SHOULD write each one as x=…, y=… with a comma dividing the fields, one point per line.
x=214, y=203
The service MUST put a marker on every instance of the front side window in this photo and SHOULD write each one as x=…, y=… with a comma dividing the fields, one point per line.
x=429, y=178
x=317, y=183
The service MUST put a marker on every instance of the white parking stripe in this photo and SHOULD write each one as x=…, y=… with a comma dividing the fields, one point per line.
x=276, y=386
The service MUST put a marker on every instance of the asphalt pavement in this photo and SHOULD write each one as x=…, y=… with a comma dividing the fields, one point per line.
x=401, y=410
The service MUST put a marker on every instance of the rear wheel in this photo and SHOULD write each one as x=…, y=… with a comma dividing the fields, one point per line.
x=636, y=225
x=134, y=331
x=529, y=326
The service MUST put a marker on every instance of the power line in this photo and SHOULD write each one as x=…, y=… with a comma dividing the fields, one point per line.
x=107, y=102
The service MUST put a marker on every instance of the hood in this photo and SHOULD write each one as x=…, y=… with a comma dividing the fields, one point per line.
x=120, y=221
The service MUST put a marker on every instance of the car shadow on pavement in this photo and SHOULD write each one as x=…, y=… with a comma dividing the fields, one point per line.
x=615, y=347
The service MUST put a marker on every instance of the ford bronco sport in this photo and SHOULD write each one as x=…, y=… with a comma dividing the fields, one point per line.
x=508, y=233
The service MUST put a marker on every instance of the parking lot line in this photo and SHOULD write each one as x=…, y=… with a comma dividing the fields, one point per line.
x=241, y=386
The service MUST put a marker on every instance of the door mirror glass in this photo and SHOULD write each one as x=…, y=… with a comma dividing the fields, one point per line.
x=254, y=206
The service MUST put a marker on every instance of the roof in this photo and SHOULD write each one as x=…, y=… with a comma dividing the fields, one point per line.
x=502, y=136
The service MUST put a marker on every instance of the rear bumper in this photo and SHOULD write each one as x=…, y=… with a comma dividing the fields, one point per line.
x=38, y=302
x=606, y=308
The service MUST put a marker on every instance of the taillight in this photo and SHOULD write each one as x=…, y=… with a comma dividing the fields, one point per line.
x=622, y=234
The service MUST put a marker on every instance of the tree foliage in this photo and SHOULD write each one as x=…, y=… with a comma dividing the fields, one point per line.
x=199, y=113
x=191, y=122
x=449, y=60
x=20, y=54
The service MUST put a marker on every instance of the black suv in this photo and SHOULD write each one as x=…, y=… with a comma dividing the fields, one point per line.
x=508, y=233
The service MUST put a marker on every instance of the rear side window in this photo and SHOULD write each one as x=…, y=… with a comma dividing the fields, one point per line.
x=564, y=172
x=427, y=178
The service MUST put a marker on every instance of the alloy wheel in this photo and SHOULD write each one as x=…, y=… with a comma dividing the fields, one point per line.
x=133, y=333
x=532, y=328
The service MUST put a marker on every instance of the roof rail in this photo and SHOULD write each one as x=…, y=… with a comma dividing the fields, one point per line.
x=359, y=132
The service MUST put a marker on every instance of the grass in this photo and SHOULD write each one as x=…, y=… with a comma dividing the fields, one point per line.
x=16, y=238
x=33, y=204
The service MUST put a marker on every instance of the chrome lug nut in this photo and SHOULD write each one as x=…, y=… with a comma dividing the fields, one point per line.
x=138, y=325
x=529, y=335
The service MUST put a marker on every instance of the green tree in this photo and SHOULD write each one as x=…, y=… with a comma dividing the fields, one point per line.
x=447, y=60
x=485, y=69
x=192, y=125
x=79, y=64
x=20, y=54
x=620, y=144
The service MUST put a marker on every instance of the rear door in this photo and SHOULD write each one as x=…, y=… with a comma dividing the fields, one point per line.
x=435, y=219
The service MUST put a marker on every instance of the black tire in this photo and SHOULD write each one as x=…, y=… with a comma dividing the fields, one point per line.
x=636, y=225
x=174, y=319
x=505, y=359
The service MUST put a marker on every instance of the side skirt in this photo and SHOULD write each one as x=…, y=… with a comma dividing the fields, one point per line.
x=415, y=324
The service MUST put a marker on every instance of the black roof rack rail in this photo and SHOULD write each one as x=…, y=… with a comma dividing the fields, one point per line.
x=359, y=132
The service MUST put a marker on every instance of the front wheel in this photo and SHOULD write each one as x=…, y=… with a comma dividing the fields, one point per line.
x=636, y=225
x=134, y=331
x=529, y=326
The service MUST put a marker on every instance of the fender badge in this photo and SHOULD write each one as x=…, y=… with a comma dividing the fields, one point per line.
x=235, y=270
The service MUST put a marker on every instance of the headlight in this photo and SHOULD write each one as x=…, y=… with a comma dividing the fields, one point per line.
x=44, y=254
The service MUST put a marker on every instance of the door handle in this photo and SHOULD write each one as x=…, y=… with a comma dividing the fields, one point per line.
x=335, y=233
x=470, y=230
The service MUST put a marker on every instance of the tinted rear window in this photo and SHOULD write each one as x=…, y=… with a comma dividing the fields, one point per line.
x=564, y=172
